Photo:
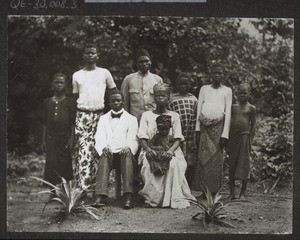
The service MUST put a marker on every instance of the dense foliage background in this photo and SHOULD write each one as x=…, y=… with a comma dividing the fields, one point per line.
x=40, y=46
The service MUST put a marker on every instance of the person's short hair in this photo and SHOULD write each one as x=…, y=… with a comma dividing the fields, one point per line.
x=56, y=75
x=116, y=91
x=183, y=75
x=90, y=45
x=245, y=85
x=216, y=65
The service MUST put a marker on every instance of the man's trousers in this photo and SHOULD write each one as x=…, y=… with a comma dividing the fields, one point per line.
x=106, y=164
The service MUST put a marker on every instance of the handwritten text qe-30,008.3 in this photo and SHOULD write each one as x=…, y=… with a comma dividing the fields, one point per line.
x=43, y=4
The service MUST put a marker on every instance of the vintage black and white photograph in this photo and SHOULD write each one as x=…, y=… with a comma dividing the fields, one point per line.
x=150, y=124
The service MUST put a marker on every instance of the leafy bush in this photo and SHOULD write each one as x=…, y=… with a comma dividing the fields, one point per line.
x=272, y=153
x=18, y=166
x=15, y=169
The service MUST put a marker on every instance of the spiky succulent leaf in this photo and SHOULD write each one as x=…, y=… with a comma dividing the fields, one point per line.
x=208, y=194
x=218, y=210
x=92, y=214
x=90, y=210
x=46, y=191
x=46, y=204
x=198, y=204
x=66, y=188
x=73, y=184
x=44, y=181
x=76, y=196
x=60, y=201
x=196, y=215
x=204, y=222
x=215, y=207
x=217, y=198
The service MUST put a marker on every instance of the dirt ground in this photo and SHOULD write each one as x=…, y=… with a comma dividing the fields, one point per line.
x=262, y=213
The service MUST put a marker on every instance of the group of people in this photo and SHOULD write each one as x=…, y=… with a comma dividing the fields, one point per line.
x=174, y=141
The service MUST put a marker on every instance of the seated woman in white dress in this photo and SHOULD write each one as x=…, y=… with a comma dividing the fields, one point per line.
x=170, y=189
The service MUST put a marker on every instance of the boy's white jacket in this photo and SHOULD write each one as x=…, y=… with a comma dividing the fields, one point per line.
x=124, y=135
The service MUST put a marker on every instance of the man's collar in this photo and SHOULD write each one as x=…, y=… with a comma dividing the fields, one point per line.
x=143, y=74
x=121, y=111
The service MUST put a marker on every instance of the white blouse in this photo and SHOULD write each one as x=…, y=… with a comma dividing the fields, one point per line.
x=214, y=103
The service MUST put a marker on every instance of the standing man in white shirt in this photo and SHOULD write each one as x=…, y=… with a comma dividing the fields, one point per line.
x=212, y=130
x=116, y=141
x=89, y=85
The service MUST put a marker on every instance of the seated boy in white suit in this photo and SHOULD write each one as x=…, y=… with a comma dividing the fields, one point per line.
x=116, y=140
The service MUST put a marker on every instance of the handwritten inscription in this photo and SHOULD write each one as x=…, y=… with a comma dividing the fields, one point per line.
x=43, y=4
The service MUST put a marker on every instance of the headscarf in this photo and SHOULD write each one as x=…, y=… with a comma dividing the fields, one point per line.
x=161, y=87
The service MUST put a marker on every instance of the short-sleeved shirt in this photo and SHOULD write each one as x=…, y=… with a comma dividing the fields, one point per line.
x=91, y=86
x=59, y=116
x=148, y=126
x=138, y=92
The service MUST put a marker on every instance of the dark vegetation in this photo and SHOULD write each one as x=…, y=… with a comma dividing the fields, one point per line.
x=41, y=46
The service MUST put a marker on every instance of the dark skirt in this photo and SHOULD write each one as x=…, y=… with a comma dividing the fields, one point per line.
x=239, y=156
x=58, y=160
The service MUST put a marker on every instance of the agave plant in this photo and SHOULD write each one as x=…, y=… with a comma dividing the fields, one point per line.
x=212, y=208
x=69, y=195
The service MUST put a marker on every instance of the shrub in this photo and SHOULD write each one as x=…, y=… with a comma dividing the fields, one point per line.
x=273, y=148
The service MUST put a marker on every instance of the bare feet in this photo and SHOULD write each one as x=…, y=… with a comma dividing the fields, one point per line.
x=242, y=198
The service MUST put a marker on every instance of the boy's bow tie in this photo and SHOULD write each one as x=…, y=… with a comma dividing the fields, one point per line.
x=116, y=115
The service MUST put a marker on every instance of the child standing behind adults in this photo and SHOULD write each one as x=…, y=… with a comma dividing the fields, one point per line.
x=58, y=132
x=185, y=104
x=212, y=129
x=89, y=85
x=241, y=134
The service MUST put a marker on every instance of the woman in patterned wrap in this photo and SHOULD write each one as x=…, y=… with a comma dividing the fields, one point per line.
x=212, y=130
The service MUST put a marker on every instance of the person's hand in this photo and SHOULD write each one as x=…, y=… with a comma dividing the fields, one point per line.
x=107, y=152
x=44, y=145
x=150, y=153
x=197, y=137
x=223, y=142
x=125, y=152
x=70, y=143
x=167, y=156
